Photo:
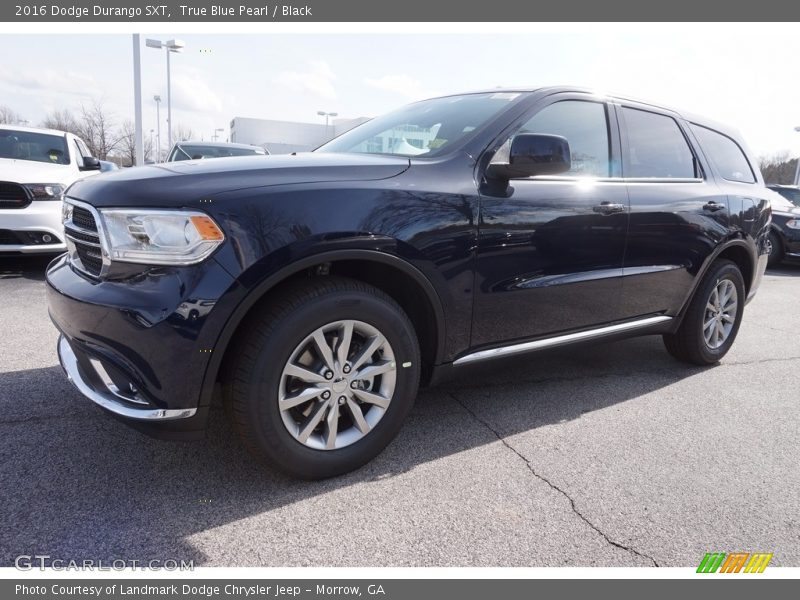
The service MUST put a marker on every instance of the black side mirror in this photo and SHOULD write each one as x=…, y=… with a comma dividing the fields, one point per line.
x=90, y=163
x=533, y=154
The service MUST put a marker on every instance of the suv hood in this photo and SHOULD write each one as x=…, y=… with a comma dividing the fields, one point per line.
x=184, y=182
x=31, y=171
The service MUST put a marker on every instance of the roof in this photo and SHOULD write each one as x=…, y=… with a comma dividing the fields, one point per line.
x=559, y=89
x=33, y=129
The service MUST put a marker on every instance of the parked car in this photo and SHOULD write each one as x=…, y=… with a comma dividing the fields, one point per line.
x=784, y=236
x=452, y=231
x=36, y=166
x=198, y=150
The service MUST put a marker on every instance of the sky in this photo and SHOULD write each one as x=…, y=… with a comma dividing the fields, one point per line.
x=742, y=77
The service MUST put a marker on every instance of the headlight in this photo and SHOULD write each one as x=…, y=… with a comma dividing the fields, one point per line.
x=46, y=191
x=793, y=223
x=160, y=237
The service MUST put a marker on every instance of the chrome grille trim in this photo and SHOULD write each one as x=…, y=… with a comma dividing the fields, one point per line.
x=73, y=242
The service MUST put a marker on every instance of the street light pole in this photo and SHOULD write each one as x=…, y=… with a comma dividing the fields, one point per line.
x=157, y=98
x=322, y=113
x=137, y=101
x=169, y=46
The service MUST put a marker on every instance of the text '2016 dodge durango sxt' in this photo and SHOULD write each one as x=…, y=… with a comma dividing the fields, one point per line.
x=317, y=291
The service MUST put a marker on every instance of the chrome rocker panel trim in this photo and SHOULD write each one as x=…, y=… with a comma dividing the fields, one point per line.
x=559, y=340
x=110, y=401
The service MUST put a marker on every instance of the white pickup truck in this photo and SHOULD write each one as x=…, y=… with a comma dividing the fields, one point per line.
x=36, y=167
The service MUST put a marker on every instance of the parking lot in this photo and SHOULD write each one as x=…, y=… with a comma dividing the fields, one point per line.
x=614, y=455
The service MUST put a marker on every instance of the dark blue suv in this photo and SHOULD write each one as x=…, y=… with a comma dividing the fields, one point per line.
x=316, y=292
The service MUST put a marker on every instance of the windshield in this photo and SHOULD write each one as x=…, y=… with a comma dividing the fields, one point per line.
x=195, y=151
x=425, y=128
x=791, y=194
x=29, y=145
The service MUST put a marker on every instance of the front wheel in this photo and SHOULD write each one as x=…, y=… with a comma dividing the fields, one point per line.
x=324, y=378
x=712, y=319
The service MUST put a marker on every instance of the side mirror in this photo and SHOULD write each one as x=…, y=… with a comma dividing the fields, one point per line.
x=533, y=154
x=90, y=163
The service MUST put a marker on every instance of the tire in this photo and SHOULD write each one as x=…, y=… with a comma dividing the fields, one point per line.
x=776, y=249
x=286, y=334
x=689, y=343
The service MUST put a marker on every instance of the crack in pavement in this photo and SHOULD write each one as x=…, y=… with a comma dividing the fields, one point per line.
x=594, y=527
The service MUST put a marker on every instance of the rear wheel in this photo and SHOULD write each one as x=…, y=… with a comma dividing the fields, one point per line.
x=324, y=378
x=774, y=249
x=712, y=320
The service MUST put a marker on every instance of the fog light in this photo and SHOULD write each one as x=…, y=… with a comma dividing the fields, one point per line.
x=47, y=238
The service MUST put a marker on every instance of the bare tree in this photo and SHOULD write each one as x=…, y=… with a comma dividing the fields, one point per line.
x=126, y=150
x=62, y=120
x=778, y=168
x=97, y=130
x=181, y=133
x=9, y=116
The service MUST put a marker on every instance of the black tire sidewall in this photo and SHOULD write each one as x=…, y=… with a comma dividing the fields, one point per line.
x=278, y=444
x=776, y=255
x=726, y=270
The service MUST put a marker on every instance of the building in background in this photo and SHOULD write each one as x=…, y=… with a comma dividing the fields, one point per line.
x=284, y=137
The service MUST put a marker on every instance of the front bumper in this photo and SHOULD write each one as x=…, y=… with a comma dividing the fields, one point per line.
x=135, y=347
x=40, y=217
x=104, y=392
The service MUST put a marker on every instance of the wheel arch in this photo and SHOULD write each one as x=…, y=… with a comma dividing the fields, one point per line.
x=738, y=251
x=369, y=266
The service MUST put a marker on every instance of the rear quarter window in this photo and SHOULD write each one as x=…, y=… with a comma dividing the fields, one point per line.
x=726, y=155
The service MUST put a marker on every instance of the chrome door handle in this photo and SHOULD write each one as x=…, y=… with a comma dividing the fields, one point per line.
x=608, y=208
x=713, y=206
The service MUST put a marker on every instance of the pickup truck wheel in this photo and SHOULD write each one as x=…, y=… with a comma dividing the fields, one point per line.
x=324, y=377
x=774, y=249
x=712, y=319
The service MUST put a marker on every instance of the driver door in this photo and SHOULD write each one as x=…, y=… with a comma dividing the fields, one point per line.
x=550, y=251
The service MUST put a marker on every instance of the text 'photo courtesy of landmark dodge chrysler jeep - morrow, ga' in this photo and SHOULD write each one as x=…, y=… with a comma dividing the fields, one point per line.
x=317, y=291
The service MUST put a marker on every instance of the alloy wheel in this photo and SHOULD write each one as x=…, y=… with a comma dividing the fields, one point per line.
x=720, y=313
x=337, y=385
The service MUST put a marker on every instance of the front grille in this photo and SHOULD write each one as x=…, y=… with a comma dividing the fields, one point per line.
x=81, y=236
x=91, y=259
x=83, y=218
x=83, y=241
x=13, y=195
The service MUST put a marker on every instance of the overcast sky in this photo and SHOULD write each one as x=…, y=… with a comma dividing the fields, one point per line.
x=748, y=81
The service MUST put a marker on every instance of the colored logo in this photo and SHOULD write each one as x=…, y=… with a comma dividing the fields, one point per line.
x=734, y=562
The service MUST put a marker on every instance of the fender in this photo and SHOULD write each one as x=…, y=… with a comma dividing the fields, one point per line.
x=259, y=290
x=740, y=242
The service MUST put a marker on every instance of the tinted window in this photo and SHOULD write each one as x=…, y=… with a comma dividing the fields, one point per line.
x=585, y=126
x=427, y=128
x=726, y=155
x=656, y=147
x=29, y=145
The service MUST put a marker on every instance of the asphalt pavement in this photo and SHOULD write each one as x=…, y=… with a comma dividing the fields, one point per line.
x=612, y=455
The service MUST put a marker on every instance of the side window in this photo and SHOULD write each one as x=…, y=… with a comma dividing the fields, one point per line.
x=726, y=155
x=585, y=126
x=656, y=147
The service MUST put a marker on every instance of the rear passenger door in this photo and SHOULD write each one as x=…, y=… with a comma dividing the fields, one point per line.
x=678, y=214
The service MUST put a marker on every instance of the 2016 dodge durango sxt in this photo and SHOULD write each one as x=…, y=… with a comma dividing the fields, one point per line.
x=317, y=291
